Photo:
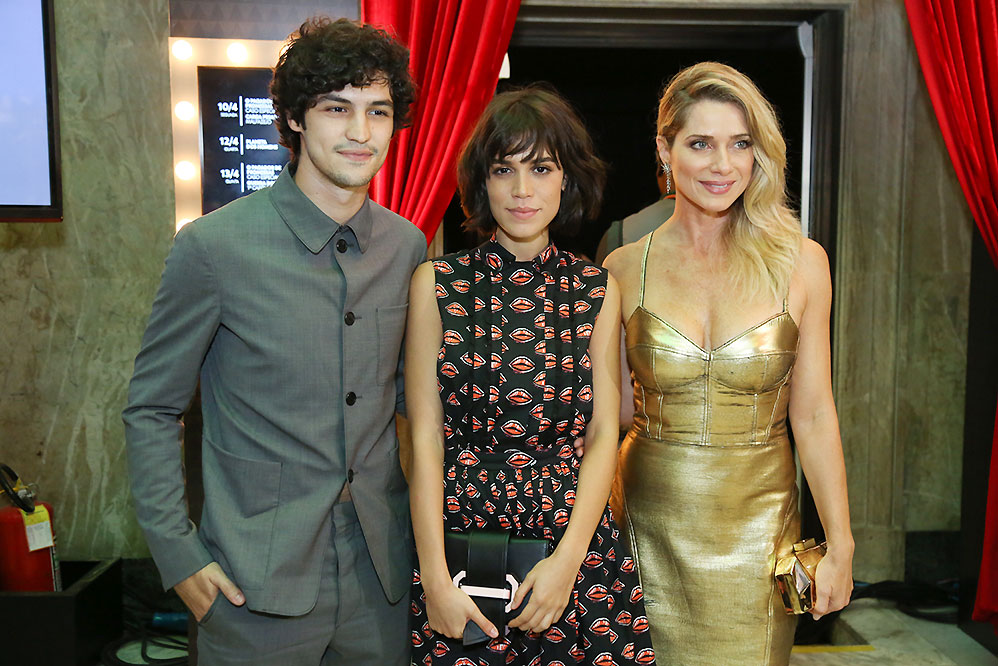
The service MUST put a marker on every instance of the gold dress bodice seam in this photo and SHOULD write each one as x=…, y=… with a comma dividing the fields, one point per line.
x=690, y=395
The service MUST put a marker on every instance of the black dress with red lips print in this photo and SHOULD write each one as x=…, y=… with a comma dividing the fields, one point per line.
x=515, y=380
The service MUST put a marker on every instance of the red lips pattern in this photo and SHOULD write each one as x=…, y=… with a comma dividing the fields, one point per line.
x=604, y=659
x=513, y=428
x=645, y=656
x=519, y=397
x=472, y=359
x=456, y=310
x=521, y=364
x=521, y=276
x=522, y=335
x=523, y=304
x=510, y=461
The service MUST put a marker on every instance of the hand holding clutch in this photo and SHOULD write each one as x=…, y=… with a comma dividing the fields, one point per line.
x=833, y=581
x=795, y=576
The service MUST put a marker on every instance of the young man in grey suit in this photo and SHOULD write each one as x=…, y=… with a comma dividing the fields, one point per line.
x=289, y=304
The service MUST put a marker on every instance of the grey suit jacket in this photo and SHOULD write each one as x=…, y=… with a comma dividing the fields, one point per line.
x=634, y=226
x=294, y=324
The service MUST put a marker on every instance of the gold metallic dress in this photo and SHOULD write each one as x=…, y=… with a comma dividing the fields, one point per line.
x=706, y=489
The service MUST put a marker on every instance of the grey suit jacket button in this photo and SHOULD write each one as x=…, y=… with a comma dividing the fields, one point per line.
x=349, y=318
x=351, y=398
x=350, y=476
x=341, y=246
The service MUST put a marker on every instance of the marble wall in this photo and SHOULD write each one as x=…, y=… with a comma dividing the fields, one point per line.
x=902, y=290
x=933, y=316
x=74, y=296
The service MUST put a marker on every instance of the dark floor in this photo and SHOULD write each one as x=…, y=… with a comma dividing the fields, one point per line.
x=870, y=631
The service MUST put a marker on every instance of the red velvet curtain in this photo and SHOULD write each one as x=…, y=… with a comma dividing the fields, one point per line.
x=957, y=44
x=456, y=48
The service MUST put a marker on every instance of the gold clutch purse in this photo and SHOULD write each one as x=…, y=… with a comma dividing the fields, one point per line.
x=795, y=576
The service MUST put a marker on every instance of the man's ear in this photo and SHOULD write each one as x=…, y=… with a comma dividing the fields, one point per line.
x=294, y=124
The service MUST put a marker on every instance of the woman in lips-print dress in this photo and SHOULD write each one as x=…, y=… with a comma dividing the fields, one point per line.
x=512, y=353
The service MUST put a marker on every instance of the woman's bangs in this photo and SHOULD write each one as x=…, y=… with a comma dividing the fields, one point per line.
x=521, y=133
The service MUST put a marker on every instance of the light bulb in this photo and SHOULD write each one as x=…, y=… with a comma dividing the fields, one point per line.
x=237, y=52
x=182, y=50
x=184, y=110
x=185, y=170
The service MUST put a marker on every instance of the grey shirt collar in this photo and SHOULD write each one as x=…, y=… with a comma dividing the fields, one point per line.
x=313, y=227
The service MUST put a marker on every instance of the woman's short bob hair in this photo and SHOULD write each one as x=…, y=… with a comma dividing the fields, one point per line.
x=535, y=120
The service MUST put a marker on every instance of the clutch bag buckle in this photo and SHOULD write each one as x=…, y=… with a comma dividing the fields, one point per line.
x=489, y=592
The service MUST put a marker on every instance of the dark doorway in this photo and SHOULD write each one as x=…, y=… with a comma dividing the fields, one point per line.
x=979, y=423
x=613, y=63
x=617, y=89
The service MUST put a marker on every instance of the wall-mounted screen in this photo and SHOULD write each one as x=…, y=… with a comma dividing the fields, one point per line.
x=30, y=184
x=240, y=152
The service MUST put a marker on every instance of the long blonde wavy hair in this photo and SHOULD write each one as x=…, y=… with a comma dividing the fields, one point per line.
x=763, y=236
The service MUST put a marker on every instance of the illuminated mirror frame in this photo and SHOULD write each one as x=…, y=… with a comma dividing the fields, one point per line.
x=186, y=55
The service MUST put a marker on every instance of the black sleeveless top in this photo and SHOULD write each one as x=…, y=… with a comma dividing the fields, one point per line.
x=514, y=369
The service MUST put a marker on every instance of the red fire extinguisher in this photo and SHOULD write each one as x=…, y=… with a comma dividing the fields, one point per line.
x=28, y=561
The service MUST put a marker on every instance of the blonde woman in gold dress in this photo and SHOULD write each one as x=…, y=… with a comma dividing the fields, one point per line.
x=726, y=313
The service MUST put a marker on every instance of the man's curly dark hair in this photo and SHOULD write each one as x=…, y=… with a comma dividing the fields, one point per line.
x=326, y=55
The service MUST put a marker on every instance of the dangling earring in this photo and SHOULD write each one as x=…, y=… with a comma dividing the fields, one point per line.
x=667, y=170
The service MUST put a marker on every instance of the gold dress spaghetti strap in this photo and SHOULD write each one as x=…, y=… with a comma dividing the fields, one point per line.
x=706, y=490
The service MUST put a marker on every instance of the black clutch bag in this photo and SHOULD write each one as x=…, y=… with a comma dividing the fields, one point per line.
x=489, y=566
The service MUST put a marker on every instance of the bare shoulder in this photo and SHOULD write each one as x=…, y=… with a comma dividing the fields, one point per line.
x=612, y=260
x=423, y=279
x=621, y=262
x=814, y=276
x=811, y=252
x=425, y=270
x=612, y=288
x=813, y=264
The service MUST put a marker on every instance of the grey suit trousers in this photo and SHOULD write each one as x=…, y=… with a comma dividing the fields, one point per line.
x=352, y=624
